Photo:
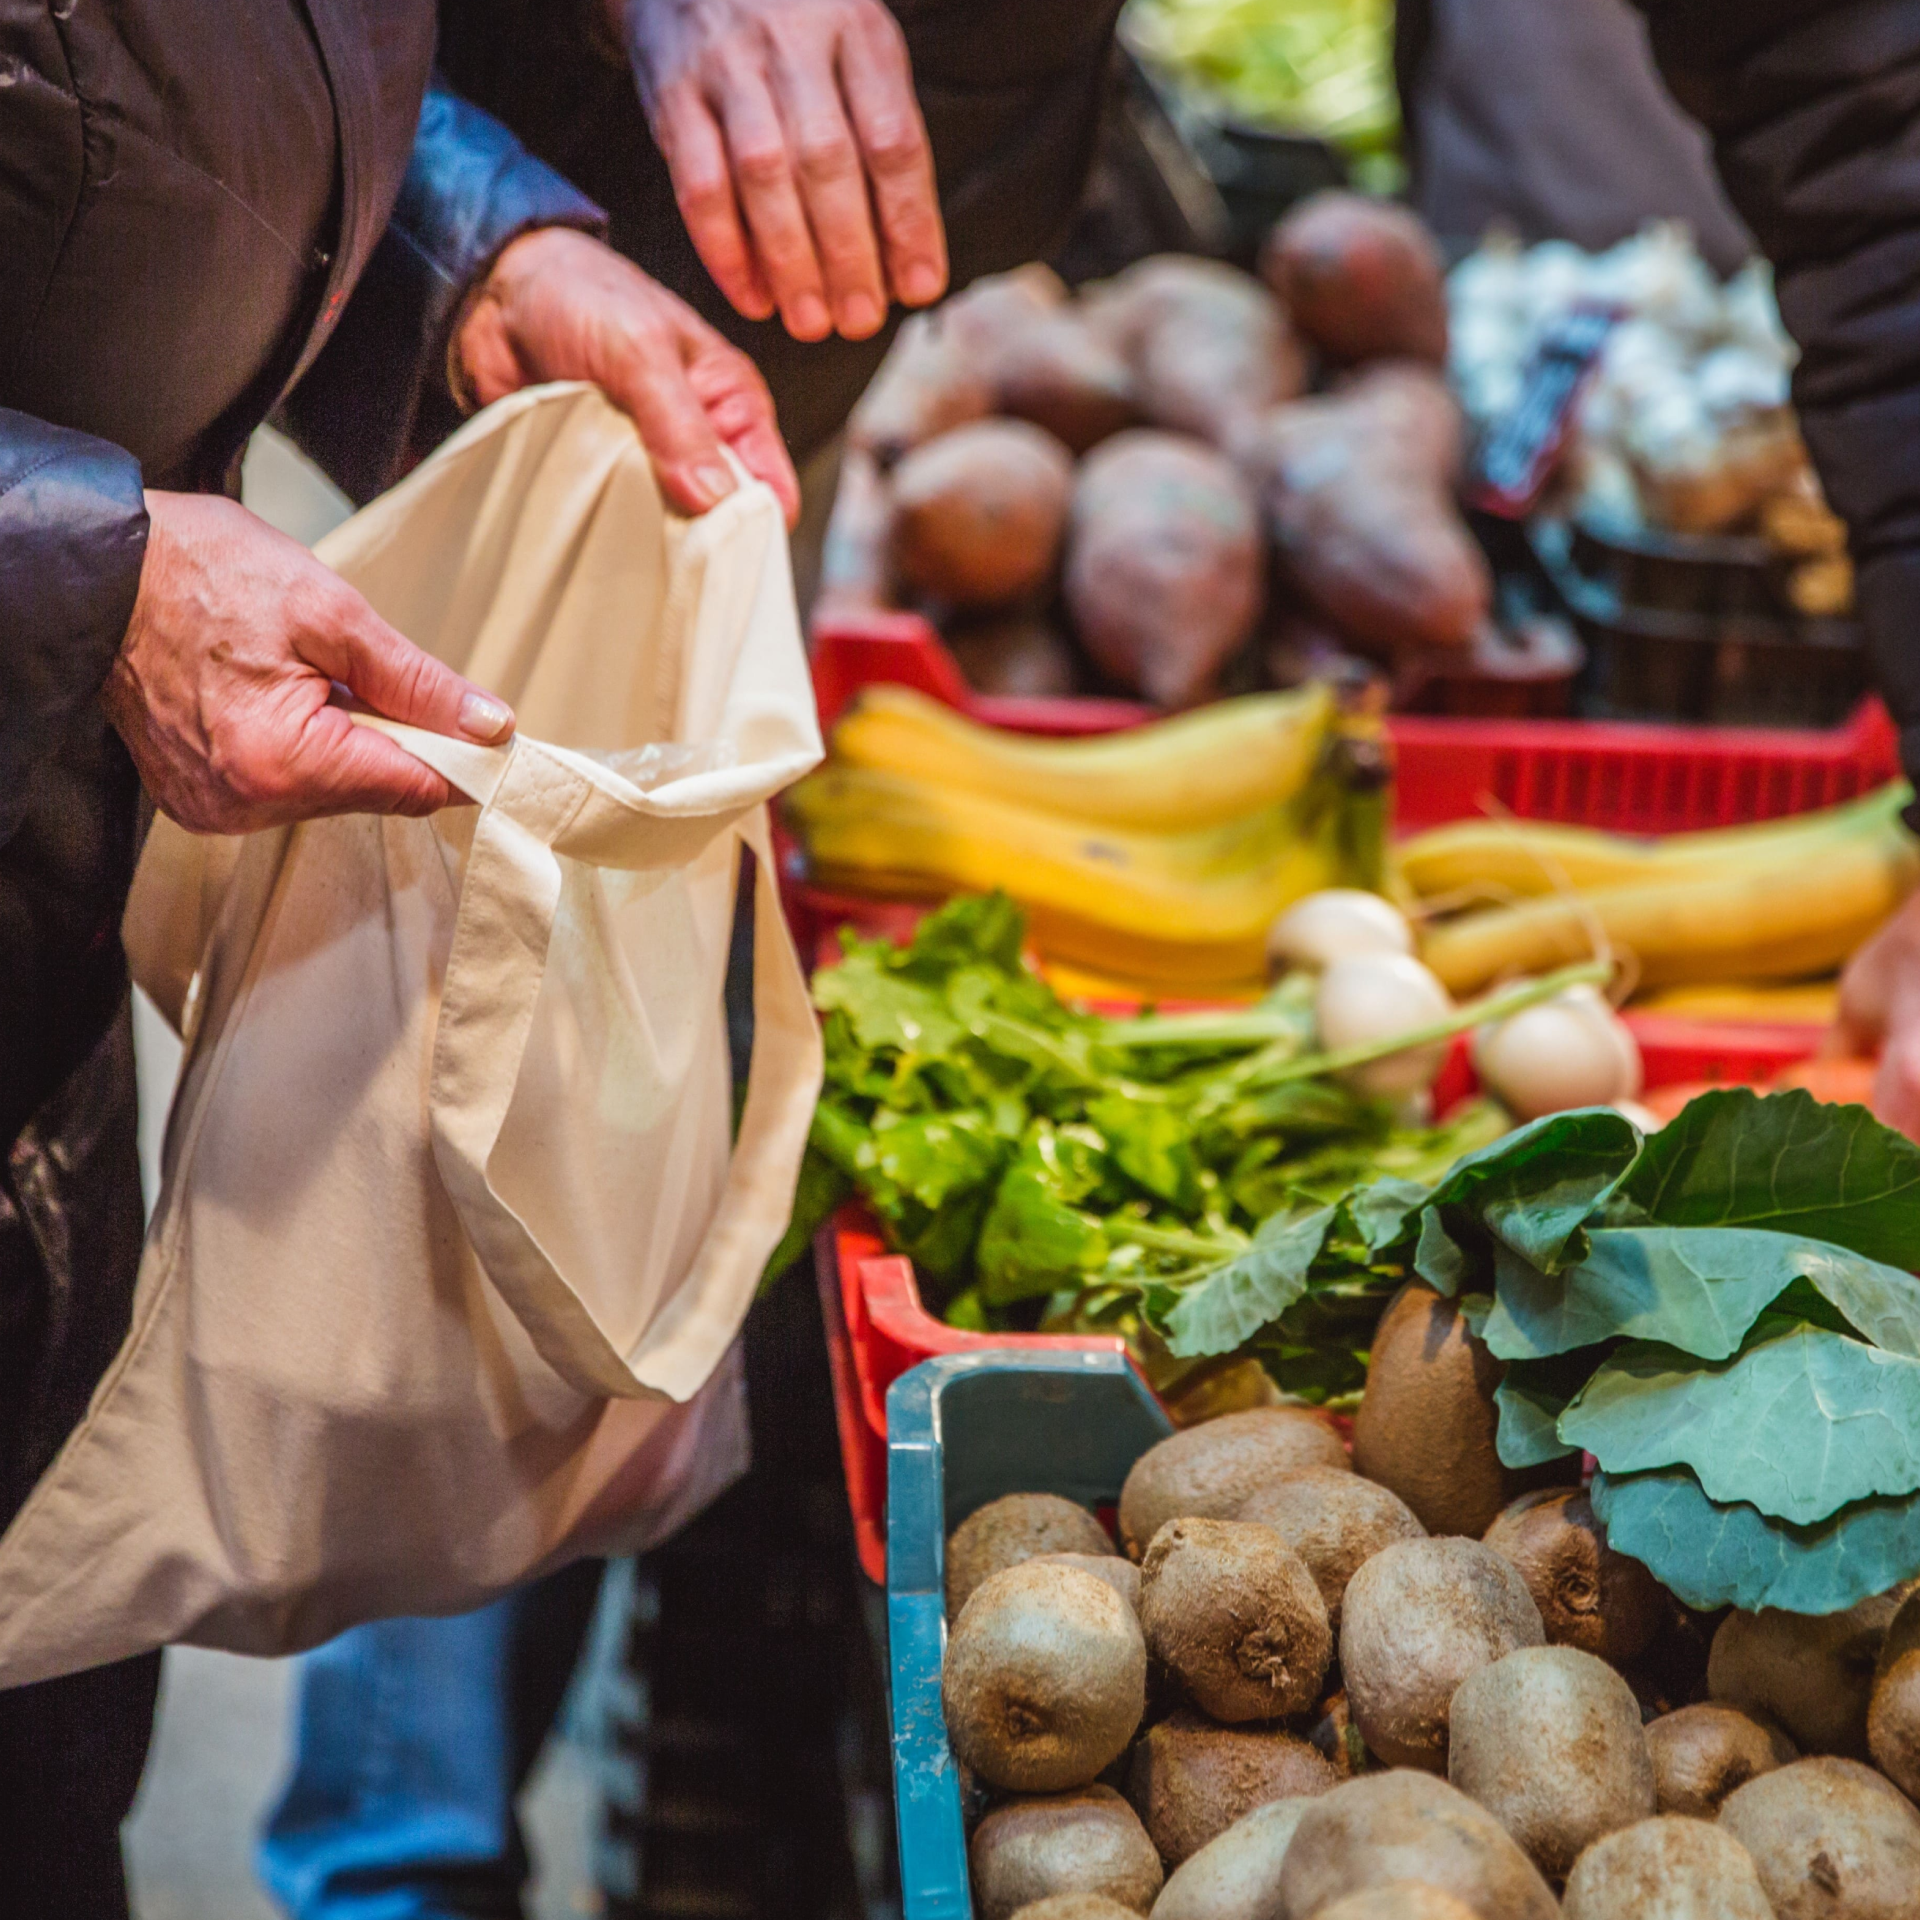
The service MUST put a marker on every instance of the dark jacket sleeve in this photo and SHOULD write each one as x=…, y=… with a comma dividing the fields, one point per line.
x=1814, y=109
x=377, y=397
x=73, y=533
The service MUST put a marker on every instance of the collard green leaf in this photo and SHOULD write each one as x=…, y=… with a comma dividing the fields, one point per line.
x=1713, y=1555
x=1696, y=1288
x=1786, y=1162
x=1530, y=1402
x=1438, y=1258
x=1797, y=1426
x=1236, y=1300
x=1379, y=1212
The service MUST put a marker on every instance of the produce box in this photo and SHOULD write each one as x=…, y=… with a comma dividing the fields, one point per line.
x=967, y=1428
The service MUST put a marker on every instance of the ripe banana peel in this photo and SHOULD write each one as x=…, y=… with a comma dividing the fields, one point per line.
x=1217, y=764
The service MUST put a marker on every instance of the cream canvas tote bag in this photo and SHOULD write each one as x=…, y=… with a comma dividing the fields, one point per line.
x=457, y=1228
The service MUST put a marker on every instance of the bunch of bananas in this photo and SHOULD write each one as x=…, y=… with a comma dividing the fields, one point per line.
x=1781, y=900
x=1151, y=861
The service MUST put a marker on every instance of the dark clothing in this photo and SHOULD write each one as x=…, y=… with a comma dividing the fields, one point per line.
x=1010, y=90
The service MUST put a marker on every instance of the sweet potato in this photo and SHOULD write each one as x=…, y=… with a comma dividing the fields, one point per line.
x=978, y=513
x=926, y=385
x=1362, y=279
x=1358, y=488
x=1164, y=563
x=1208, y=344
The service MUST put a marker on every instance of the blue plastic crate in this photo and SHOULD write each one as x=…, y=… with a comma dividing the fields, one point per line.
x=962, y=1430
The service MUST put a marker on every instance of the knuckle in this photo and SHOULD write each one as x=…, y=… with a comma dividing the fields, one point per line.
x=825, y=153
x=893, y=145
x=760, y=163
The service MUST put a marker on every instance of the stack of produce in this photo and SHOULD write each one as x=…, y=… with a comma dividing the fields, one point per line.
x=1096, y=488
x=1439, y=1678
x=1785, y=899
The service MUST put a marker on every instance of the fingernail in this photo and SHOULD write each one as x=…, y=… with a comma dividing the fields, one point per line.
x=810, y=316
x=715, y=482
x=920, y=283
x=859, y=315
x=482, y=717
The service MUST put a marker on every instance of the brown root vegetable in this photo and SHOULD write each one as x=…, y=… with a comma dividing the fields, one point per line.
x=1361, y=277
x=1236, y=1875
x=1208, y=1471
x=1044, y=1679
x=1207, y=343
x=1191, y=1780
x=1426, y=1423
x=1021, y=656
x=1234, y=1613
x=1832, y=1840
x=1893, y=1709
x=1016, y=1527
x=1403, y=1825
x=1667, y=1868
x=1334, y=1520
x=1549, y=1741
x=1358, y=488
x=1164, y=564
x=1075, y=1906
x=1120, y=1573
x=1398, y=1900
x=978, y=513
x=1420, y=1616
x=926, y=386
x=1813, y=1674
x=1589, y=1596
x=1702, y=1753
x=1085, y=1842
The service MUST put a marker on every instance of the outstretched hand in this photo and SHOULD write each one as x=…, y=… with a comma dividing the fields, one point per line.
x=1880, y=1012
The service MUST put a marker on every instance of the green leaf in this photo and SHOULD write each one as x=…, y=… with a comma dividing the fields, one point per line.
x=1152, y=1145
x=1035, y=1237
x=1789, y=1163
x=1712, y=1555
x=1696, y=1288
x=974, y=927
x=1797, y=1426
x=1530, y=1401
x=930, y=1157
x=1438, y=1258
x=884, y=1008
x=1236, y=1300
x=1380, y=1211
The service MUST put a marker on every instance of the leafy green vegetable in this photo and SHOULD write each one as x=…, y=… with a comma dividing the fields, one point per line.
x=1235, y=1301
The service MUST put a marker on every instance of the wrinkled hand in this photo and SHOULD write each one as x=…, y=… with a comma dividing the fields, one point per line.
x=224, y=685
x=797, y=151
x=1880, y=1011
x=560, y=306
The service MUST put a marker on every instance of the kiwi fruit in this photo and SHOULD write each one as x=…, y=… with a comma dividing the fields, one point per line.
x=1666, y=1868
x=1701, y=1753
x=1190, y=1780
x=1812, y=1673
x=1398, y=1900
x=1893, y=1709
x=1087, y=1842
x=1549, y=1741
x=1406, y=1825
x=1075, y=1906
x=1206, y=1472
x=1832, y=1840
x=1333, y=1519
x=1417, y=1619
x=1044, y=1680
x=1589, y=1596
x=1233, y=1612
x=1120, y=1573
x=1019, y=1527
x=1236, y=1875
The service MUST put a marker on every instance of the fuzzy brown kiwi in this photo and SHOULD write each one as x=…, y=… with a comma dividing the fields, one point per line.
x=1089, y=1841
x=1044, y=1679
x=1832, y=1840
x=1233, y=1612
x=1549, y=1741
x=1191, y=1780
x=1703, y=1752
x=1418, y=1618
x=1236, y=1875
x=1120, y=1573
x=1426, y=1423
x=1666, y=1868
x=1334, y=1520
x=1405, y=1825
x=1075, y=1906
x=1589, y=1596
x=1019, y=1526
x=1893, y=1710
x=1209, y=1470
x=1398, y=1900
x=1812, y=1673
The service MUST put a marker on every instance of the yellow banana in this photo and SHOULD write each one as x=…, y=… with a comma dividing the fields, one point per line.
x=1197, y=769
x=1811, y=1003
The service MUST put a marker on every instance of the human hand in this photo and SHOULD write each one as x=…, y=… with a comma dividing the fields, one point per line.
x=559, y=305
x=797, y=151
x=1880, y=1011
x=223, y=688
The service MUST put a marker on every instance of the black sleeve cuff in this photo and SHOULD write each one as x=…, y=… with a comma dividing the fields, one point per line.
x=377, y=398
x=73, y=535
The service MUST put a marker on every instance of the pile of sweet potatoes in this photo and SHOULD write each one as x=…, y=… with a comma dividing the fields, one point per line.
x=1119, y=487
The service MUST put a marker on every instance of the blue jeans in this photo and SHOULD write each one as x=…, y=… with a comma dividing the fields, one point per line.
x=413, y=1739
